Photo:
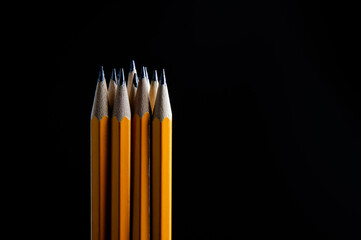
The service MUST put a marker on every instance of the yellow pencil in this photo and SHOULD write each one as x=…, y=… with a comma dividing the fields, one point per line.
x=162, y=165
x=99, y=134
x=140, y=162
x=120, y=160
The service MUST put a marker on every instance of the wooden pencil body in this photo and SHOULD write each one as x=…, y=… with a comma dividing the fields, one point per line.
x=140, y=162
x=133, y=91
x=153, y=93
x=120, y=195
x=130, y=81
x=99, y=167
x=161, y=179
x=111, y=94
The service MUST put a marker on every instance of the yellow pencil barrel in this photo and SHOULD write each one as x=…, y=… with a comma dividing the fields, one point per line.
x=120, y=190
x=161, y=179
x=162, y=165
x=99, y=168
x=141, y=191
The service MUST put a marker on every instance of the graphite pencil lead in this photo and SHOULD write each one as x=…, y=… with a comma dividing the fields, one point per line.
x=114, y=75
x=142, y=73
x=132, y=65
x=155, y=76
x=162, y=77
x=101, y=74
x=121, y=80
x=135, y=80
x=146, y=72
x=119, y=73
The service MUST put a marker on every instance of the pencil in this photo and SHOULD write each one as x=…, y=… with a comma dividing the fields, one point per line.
x=162, y=165
x=140, y=162
x=99, y=134
x=153, y=89
x=120, y=160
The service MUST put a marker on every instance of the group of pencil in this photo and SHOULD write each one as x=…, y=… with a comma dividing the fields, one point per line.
x=131, y=157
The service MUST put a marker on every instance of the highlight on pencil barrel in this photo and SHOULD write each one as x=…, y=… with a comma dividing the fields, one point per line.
x=131, y=157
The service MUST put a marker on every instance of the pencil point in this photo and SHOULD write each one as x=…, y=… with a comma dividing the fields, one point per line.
x=119, y=73
x=132, y=65
x=121, y=79
x=155, y=76
x=101, y=74
x=142, y=73
x=146, y=72
x=114, y=75
x=162, y=77
x=135, y=80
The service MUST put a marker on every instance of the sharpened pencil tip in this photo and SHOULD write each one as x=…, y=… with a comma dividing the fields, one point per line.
x=132, y=65
x=121, y=79
x=135, y=80
x=142, y=73
x=118, y=74
x=101, y=74
x=146, y=72
x=162, y=77
x=114, y=75
x=155, y=76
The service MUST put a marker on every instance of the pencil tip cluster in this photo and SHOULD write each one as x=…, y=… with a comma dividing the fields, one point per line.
x=142, y=92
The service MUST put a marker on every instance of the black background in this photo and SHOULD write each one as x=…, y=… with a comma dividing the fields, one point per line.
x=265, y=98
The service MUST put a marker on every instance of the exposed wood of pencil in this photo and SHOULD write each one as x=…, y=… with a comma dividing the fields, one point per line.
x=111, y=89
x=133, y=91
x=131, y=76
x=99, y=128
x=153, y=89
x=120, y=160
x=162, y=166
x=146, y=75
x=140, y=163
